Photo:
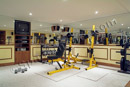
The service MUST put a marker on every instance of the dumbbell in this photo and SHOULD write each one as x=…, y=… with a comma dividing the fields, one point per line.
x=45, y=52
x=49, y=52
x=17, y=70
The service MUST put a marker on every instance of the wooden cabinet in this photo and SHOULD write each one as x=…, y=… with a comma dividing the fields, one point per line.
x=22, y=41
x=22, y=56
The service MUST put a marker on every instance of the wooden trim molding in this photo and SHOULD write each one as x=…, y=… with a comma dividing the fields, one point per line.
x=33, y=51
x=96, y=45
x=11, y=54
x=7, y=64
x=80, y=47
x=111, y=55
x=6, y=44
x=100, y=57
x=108, y=64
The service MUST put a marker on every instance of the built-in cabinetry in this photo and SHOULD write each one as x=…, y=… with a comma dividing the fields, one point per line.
x=22, y=41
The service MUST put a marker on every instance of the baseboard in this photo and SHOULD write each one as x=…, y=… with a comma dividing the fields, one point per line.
x=7, y=64
x=36, y=60
x=108, y=64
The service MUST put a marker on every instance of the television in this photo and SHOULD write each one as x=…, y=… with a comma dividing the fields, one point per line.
x=22, y=27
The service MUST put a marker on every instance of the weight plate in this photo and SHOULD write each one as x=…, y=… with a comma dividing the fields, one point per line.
x=122, y=63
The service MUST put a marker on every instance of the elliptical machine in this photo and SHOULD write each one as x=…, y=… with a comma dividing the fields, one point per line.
x=124, y=63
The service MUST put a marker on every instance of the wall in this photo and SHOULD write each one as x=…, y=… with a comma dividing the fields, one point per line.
x=103, y=54
x=6, y=54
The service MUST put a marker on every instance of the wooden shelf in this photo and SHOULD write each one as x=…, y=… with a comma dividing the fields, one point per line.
x=21, y=39
x=21, y=47
x=22, y=35
x=21, y=43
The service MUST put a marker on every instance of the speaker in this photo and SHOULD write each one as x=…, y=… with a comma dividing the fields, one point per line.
x=12, y=33
x=55, y=28
x=66, y=29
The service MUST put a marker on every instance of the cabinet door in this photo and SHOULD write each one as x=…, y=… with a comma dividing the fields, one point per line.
x=18, y=57
x=26, y=56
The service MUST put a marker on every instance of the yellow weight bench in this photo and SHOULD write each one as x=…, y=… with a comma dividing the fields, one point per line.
x=58, y=57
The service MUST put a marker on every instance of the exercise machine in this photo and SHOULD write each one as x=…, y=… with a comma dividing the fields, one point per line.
x=70, y=57
x=86, y=37
x=92, y=62
x=58, y=57
x=124, y=63
x=106, y=37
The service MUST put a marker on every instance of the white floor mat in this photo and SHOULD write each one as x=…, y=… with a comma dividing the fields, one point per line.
x=44, y=68
x=93, y=74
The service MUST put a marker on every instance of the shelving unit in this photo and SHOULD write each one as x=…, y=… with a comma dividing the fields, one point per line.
x=22, y=43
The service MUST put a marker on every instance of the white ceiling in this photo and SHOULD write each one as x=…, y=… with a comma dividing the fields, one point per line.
x=72, y=12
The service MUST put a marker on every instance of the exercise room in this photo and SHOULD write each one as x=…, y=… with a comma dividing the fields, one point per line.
x=64, y=43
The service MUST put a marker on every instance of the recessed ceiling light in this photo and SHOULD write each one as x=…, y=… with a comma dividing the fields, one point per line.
x=96, y=12
x=40, y=24
x=65, y=0
x=30, y=14
x=128, y=27
x=81, y=24
x=4, y=25
x=62, y=27
x=61, y=20
x=122, y=24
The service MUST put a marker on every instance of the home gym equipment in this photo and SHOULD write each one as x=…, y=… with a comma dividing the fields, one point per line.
x=22, y=68
x=75, y=59
x=124, y=63
x=106, y=37
x=58, y=57
x=86, y=37
x=53, y=40
x=46, y=51
x=9, y=39
x=92, y=61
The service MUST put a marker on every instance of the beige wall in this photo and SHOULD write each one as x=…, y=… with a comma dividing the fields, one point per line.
x=6, y=54
x=105, y=54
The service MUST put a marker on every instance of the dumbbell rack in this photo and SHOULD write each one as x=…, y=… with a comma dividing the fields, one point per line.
x=49, y=52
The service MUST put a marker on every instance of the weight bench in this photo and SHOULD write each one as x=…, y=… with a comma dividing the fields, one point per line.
x=58, y=57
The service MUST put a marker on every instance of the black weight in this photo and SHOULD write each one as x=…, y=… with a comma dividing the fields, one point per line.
x=121, y=42
x=15, y=71
x=122, y=51
x=122, y=63
x=127, y=65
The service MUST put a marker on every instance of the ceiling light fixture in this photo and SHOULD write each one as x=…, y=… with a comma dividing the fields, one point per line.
x=61, y=20
x=81, y=24
x=4, y=25
x=96, y=12
x=65, y=0
x=122, y=24
x=128, y=27
x=30, y=14
x=40, y=24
